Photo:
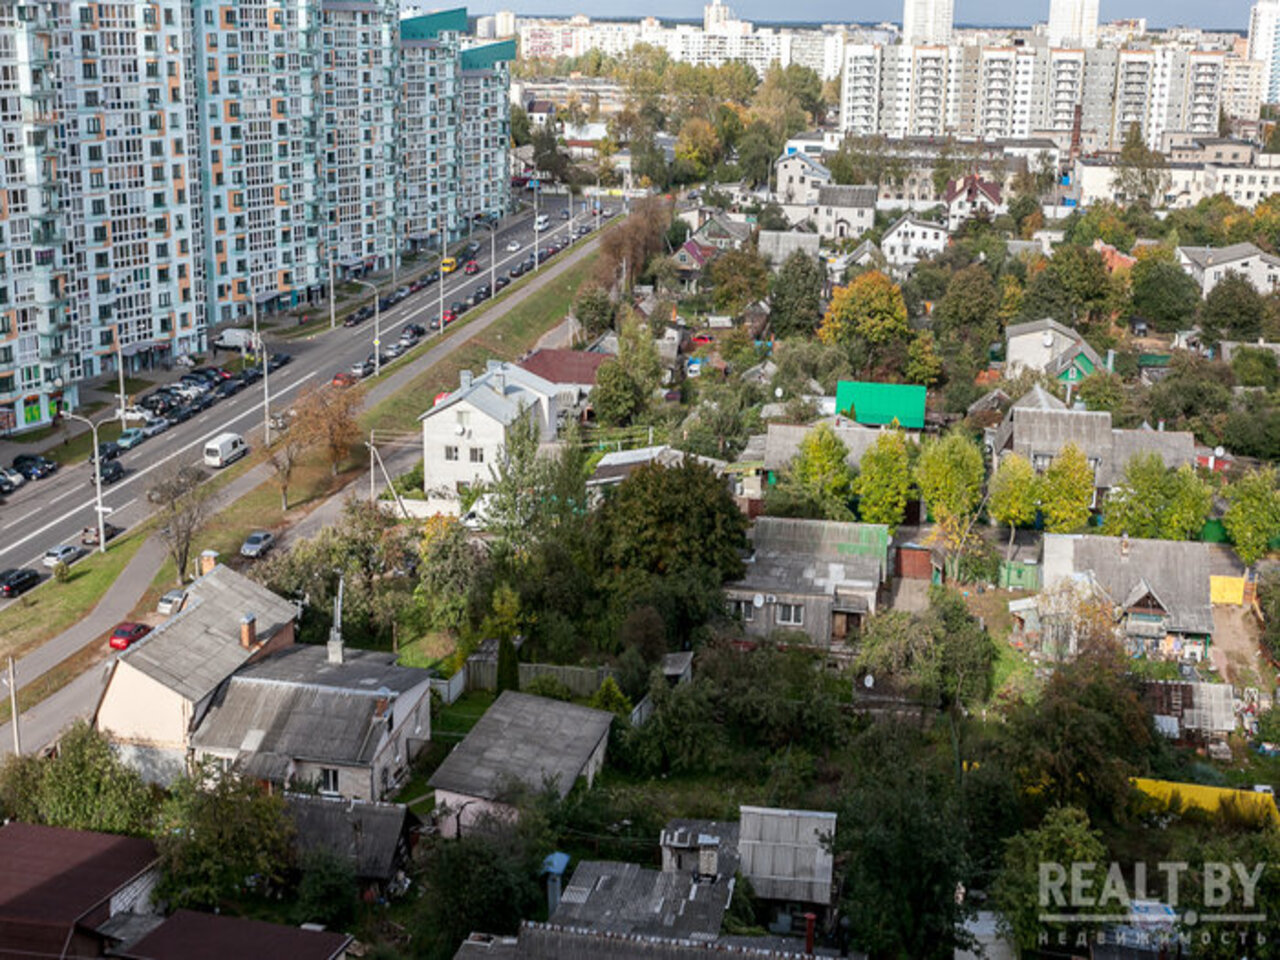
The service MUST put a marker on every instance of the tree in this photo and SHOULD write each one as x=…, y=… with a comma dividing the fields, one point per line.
x=949, y=474
x=450, y=575
x=218, y=833
x=1015, y=495
x=1155, y=502
x=697, y=149
x=1255, y=367
x=1065, y=836
x=757, y=149
x=326, y=889
x=185, y=504
x=1253, y=514
x=821, y=475
x=885, y=481
x=673, y=520
x=740, y=278
x=508, y=665
x=796, y=298
x=284, y=457
x=1073, y=286
x=868, y=312
x=969, y=309
x=1142, y=174
x=521, y=134
x=616, y=398
x=1232, y=310
x=611, y=698
x=1066, y=491
x=923, y=366
x=778, y=106
x=516, y=485
x=1163, y=293
x=327, y=418
x=594, y=309
x=1102, y=390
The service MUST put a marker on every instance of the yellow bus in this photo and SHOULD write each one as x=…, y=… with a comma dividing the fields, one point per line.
x=448, y=265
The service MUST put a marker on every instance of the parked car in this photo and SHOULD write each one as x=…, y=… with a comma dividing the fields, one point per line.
x=33, y=466
x=362, y=368
x=14, y=476
x=111, y=472
x=564, y=214
x=171, y=602
x=448, y=265
x=449, y=317
x=251, y=375
x=416, y=329
x=228, y=387
x=89, y=535
x=60, y=554
x=181, y=414
x=153, y=428
x=257, y=544
x=344, y=379
x=14, y=582
x=517, y=271
x=6, y=486
x=278, y=360
x=395, y=349
x=131, y=437
x=471, y=250
x=126, y=634
x=501, y=283
x=107, y=450
x=471, y=268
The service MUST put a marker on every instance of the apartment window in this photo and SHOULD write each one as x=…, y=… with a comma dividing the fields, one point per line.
x=790, y=614
x=477, y=454
x=328, y=780
x=451, y=453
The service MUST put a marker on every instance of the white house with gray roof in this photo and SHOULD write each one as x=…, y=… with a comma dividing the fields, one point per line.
x=797, y=179
x=910, y=240
x=844, y=212
x=464, y=435
x=1208, y=265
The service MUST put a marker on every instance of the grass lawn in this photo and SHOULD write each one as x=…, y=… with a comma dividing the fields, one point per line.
x=453, y=723
x=53, y=607
x=50, y=682
x=79, y=447
x=428, y=650
x=508, y=338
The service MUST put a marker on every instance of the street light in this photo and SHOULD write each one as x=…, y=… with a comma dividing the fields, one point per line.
x=493, y=255
x=261, y=346
x=377, y=327
x=97, y=477
x=537, y=184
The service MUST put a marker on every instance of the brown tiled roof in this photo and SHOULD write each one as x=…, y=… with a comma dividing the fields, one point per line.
x=51, y=878
x=188, y=935
x=564, y=366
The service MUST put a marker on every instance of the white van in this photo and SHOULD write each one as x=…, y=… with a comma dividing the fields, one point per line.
x=223, y=449
x=541, y=223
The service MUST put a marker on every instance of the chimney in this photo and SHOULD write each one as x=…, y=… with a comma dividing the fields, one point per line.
x=709, y=861
x=380, y=706
x=499, y=381
x=1160, y=426
x=335, y=648
x=810, y=922
x=465, y=379
x=1124, y=546
x=248, y=631
x=208, y=560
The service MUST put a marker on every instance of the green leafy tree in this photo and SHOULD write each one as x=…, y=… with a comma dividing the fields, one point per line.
x=740, y=278
x=1232, y=310
x=1066, y=491
x=1102, y=390
x=218, y=833
x=885, y=481
x=1071, y=287
x=1253, y=514
x=617, y=398
x=1064, y=837
x=1157, y=503
x=1255, y=367
x=796, y=298
x=949, y=474
x=924, y=366
x=1142, y=174
x=326, y=889
x=868, y=313
x=508, y=665
x=1015, y=495
x=450, y=575
x=611, y=698
x=521, y=132
x=1164, y=293
x=757, y=149
x=821, y=475
x=969, y=309
x=594, y=309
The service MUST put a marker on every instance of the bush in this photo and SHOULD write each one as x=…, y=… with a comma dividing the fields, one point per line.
x=61, y=572
x=327, y=889
x=550, y=686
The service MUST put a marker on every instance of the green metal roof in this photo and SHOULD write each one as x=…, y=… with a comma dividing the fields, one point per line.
x=879, y=404
x=484, y=58
x=430, y=26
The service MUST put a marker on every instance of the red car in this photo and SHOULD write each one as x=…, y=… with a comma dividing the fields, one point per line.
x=471, y=268
x=703, y=339
x=344, y=379
x=127, y=633
x=449, y=317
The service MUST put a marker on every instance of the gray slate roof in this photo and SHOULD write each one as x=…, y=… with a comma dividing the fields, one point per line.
x=198, y=648
x=816, y=557
x=860, y=196
x=786, y=853
x=1177, y=572
x=628, y=899
x=365, y=834
x=782, y=441
x=500, y=392
x=1204, y=257
x=523, y=739
x=547, y=941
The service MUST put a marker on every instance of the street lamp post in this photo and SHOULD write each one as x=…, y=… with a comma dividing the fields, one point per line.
x=377, y=328
x=120, y=369
x=537, y=188
x=97, y=478
x=333, y=304
x=261, y=345
x=493, y=256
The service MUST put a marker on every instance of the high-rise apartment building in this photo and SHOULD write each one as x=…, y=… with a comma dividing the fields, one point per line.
x=927, y=21
x=1073, y=23
x=1264, y=45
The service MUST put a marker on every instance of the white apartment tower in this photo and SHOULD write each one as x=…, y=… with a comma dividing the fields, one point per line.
x=1264, y=45
x=927, y=21
x=1073, y=23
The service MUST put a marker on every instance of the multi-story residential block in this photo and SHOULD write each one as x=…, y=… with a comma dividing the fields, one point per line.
x=485, y=131
x=1073, y=22
x=1264, y=45
x=429, y=49
x=1242, y=88
x=927, y=21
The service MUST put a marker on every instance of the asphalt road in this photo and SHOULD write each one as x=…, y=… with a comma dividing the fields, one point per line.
x=45, y=513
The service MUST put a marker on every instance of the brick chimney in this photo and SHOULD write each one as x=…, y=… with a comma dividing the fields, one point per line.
x=248, y=631
x=380, y=706
x=208, y=560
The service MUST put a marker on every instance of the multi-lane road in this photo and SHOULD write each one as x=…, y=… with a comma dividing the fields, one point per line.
x=45, y=513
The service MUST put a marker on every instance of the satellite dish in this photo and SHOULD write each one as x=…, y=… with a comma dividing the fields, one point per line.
x=758, y=601
x=868, y=681
x=460, y=429
x=1048, y=338
x=777, y=392
x=1219, y=451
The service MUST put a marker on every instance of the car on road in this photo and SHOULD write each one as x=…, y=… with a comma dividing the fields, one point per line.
x=395, y=349
x=470, y=251
x=450, y=316
x=513, y=246
x=181, y=414
x=564, y=214
x=362, y=368
x=582, y=230
x=130, y=438
x=33, y=466
x=344, y=379
x=278, y=360
x=111, y=472
x=257, y=544
x=228, y=387
x=417, y=329
x=107, y=450
x=6, y=486
x=60, y=554
x=448, y=265
x=471, y=269
x=15, y=477
x=153, y=428
x=541, y=223
x=501, y=282
x=171, y=602
x=14, y=582
x=126, y=634
x=251, y=375
x=517, y=271
x=89, y=535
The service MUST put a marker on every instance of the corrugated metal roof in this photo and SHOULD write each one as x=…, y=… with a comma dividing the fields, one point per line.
x=786, y=853
x=879, y=404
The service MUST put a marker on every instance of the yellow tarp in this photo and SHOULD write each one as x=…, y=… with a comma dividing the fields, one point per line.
x=1207, y=798
x=1226, y=590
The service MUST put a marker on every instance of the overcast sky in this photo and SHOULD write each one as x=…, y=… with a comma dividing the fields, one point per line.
x=1225, y=14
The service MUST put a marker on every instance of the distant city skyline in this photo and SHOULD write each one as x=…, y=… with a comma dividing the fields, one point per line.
x=1232, y=15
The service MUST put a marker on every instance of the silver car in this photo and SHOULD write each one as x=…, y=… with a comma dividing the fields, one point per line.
x=257, y=544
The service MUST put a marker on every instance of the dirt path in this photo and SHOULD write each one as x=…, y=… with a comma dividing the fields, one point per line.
x=1234, y=650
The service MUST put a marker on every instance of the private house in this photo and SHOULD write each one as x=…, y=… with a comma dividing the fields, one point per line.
x=72, y=893
x=1049, y=347
x=613, y=468
x=521, y=742
x=816, y=579
x=375, y=838
x=777, y=245
x=786, y=855
x=541, y=113
x=782, y=442
x=972, y=197
x=465, y=433
x=1208, y=265
x=908, y=240
x=845, y=212
x=1158, y=588
x=721, y=232
x=797, y=178
x=882, y=404
x=691, y=261
x=1112, y=258
x=160, y=689
x=583, y=140
x=1039, y=425
x=348, y=721
x=190, y=935
x=866, y=255
x=572, y=371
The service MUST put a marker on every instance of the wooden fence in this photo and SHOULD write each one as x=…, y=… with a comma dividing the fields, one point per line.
x=581, y=681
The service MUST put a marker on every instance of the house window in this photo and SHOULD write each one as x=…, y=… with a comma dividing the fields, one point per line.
x=328, y=780
x=451, y=453
x=744, y=610
x=477, y=454
x=790, y=614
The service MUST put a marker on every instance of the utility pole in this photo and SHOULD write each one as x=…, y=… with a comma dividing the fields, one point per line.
x=333, y=304
x=372, y=443
x=97, y=478
x=266, y=390
x=120, y=370
x=13, y=710
x=377, y=327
